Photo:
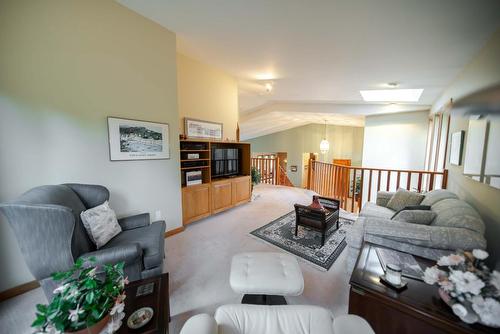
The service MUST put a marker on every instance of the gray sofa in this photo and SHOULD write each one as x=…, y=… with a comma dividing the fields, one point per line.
x=456, y=226
x=51, y=236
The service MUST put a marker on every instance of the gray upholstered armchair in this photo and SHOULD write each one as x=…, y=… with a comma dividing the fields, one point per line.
x=51, y=236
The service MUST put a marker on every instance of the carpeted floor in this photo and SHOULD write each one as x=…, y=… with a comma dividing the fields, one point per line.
x=199, y=261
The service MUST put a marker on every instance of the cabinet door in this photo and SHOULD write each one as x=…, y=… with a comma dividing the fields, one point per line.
x=195, y=202
x=241, y=190
x=221, y=196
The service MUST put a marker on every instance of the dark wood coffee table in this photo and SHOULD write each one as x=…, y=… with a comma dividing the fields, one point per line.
x=418, y=309
x=158, y=300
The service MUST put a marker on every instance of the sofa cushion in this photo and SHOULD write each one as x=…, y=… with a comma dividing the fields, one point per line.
x=150, y=238
x=403, y=198
x=457, y=213
x=373, y=210
x=434, y=196
x=282, y=319
x=422, y=217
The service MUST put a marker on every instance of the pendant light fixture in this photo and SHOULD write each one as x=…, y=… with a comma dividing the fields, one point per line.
x=324, y=146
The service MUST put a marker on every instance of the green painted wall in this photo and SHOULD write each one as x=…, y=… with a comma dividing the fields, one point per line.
x=345, y=143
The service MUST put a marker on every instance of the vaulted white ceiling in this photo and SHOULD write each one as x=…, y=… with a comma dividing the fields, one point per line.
x=325, y=51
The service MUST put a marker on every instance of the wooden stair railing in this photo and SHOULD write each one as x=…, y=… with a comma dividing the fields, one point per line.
x=354, y=186
x=284, y=180
x=271, y=172
x=267, y=168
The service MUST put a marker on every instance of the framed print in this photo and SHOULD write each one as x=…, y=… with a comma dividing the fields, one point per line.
x=194, y=128
x=131, y=139
x=457, y=142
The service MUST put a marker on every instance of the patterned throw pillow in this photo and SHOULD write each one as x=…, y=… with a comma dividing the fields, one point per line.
x=403, y=198
x=421, y=217
x=101, y=224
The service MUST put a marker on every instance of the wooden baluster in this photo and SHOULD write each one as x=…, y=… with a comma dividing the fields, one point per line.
x=346, y=186
x=353, y=190
x=431, y=181
x=444, y=182
x=408, y=181
x=378, y=180
x=419, y=182
x=277, y=169
x=337, y=178
x=370, y=186
x=323, y=173
x=334, y=173
x=332, y=168
x=398, y=179
x=388, y=180
x=329, y=171
x=361, y=186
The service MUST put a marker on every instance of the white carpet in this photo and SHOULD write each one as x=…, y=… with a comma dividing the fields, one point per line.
x=199, y=259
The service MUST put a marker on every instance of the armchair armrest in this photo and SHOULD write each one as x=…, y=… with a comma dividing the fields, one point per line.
x=200, y=324
x=131, y=222
x=129, y=254
x=383, y=197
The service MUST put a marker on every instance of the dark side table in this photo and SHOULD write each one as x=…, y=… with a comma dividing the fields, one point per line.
x=158, y=300
x=418, y=309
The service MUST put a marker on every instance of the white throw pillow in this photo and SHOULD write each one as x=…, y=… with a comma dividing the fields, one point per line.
x=101, y=224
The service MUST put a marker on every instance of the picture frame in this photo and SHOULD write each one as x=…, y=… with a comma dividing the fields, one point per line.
x=199, y=129
x=456, y=148
x=131, y=139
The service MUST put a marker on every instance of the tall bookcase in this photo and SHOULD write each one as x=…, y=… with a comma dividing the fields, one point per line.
x=213, y=194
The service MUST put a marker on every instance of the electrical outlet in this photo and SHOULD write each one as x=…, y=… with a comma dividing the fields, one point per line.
x=158, y=215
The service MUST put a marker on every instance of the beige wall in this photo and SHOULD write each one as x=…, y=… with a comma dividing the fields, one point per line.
x=65, y=66
x=482, y=72
x=345, y=143
x=206, y=93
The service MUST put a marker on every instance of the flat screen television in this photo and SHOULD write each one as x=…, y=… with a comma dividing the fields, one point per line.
x=225, y=161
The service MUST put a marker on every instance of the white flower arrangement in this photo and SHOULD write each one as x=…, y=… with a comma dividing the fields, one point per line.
x=470, y=288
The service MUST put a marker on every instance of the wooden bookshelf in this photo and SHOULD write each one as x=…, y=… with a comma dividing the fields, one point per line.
x=214, y=194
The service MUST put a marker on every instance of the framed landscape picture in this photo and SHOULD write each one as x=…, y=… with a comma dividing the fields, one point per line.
x=194, y=128
x=137, y=140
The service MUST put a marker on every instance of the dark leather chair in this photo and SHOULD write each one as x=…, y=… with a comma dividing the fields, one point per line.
x=320, y=220
x=46, y=222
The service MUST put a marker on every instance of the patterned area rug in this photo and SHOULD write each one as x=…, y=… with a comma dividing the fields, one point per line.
x=307, y=245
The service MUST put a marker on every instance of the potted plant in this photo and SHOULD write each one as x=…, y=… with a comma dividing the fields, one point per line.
x=85, y=299
x=255, y=175
x=468, y=286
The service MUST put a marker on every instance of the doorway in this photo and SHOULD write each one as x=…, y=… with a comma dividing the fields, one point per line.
x=306, y=156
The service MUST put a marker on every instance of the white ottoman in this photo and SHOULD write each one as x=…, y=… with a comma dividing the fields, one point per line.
x=264, y=278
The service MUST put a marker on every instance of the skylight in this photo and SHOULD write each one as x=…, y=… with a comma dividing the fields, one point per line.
x=391, y=95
